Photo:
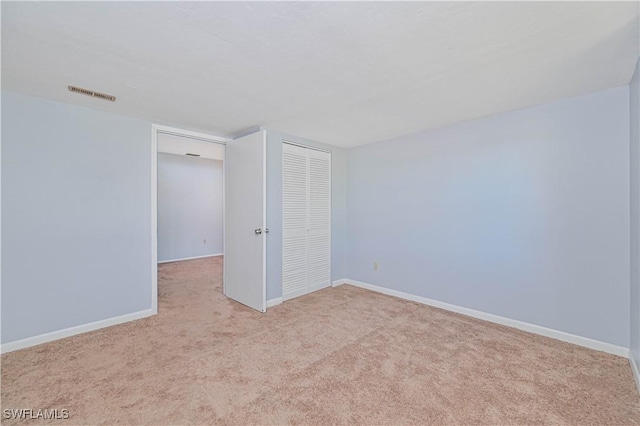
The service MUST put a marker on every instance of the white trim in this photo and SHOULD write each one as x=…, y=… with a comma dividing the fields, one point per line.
x=189, y=258
x=288, y=142
x=532, y=328
x=274, y=302
x=341, y=281
x=72, y=331
x=1, y=232
x=294, y=294
x=224, y=212
x=264, y=219
x=154, y=218
x=188, y=133
x=635, y=370
x=318, y=287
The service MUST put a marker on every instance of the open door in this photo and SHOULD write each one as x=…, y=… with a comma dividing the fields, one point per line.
x=245, y=221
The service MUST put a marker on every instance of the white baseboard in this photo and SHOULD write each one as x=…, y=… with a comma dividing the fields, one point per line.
x=190, y=258
x=532, y=328
x=274, y=302
x=72, y=331
x=341, y=281
x=636, y=371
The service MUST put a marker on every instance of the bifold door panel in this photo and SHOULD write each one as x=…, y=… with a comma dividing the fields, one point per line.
x=306, y=220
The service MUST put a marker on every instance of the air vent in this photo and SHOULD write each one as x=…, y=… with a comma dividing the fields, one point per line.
x=192, y=155
x=91, y=93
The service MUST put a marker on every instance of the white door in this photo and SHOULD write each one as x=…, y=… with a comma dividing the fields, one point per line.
x=306, y=220
x=245, y=219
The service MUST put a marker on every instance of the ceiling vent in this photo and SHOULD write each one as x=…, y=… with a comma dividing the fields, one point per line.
x=91, y=93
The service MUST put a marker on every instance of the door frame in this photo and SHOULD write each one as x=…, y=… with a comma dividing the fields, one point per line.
x=155, y=130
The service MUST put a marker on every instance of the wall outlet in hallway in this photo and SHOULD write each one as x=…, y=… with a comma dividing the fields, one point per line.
x=375, y=266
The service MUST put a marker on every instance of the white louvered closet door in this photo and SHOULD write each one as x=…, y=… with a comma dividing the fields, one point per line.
x=319, y=223
x=306, y=245
x=295, y=187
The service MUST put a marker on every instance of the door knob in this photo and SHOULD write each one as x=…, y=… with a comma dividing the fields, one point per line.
x=258, y=231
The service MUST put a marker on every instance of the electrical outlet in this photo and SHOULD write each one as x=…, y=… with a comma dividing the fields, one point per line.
x=375, y=266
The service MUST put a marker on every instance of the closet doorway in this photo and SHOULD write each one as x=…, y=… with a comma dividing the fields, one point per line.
x=306, y=220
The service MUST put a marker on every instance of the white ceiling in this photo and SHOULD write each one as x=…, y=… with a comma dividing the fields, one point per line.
x=343, y=73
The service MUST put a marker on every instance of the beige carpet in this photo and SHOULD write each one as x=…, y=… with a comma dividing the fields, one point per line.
x=339, y=356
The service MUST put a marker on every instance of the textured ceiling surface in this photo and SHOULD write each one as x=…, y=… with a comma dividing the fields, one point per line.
x=343, y=73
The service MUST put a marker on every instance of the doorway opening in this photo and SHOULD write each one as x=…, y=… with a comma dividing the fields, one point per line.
x=188, y=198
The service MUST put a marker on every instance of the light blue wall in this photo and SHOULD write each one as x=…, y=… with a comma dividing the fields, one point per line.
x=634, y=110
x=76, y=223
x=189, y=207
x=523, y=214
x=274, y=209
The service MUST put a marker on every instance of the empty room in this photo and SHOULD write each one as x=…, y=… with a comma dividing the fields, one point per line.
x=270, y=213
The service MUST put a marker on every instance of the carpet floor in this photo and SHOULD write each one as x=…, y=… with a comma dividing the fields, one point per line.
x=341, y=355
